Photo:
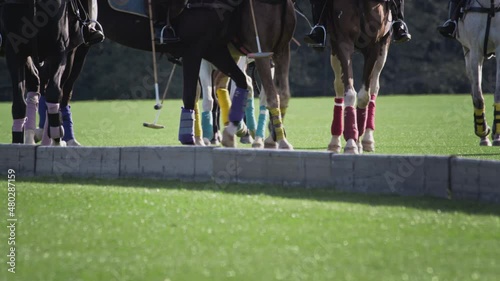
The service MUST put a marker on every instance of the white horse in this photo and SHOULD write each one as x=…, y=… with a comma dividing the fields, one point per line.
x=481, y=16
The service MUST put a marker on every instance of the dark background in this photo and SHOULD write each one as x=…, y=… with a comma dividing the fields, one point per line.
x=427, y=64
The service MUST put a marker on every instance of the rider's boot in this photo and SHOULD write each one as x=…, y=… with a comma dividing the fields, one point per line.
x=449, y=28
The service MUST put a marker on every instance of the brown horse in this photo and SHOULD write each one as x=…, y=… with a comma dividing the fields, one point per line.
x=365, y=26
x=275, y=21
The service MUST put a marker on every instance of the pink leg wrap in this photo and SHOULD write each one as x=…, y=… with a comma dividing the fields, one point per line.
x=18, y=125
x=361, y=114
x=31, y=109
x=351, y=129
x=370, y=119
x=52, y=107
x=338, y=117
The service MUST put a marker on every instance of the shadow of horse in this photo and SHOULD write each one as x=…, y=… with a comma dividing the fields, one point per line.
x=364, y=26
x=479, y=33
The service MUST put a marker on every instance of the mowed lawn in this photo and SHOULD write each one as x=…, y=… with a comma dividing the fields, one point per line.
x=156, y=231
x=423, y=124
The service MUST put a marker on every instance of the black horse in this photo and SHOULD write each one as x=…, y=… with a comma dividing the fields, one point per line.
x=204, y=29
x=36, y=30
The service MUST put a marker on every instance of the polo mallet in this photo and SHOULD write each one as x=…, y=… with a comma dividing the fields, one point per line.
x=160, y=105
x=260, y=54
x=153, y=50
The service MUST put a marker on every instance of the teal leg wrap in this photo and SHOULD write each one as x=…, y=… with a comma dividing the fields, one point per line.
x=261, y=127
x=250, y=114
x=207, y=124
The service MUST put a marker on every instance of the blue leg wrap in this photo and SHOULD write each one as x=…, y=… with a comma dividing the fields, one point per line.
x=207, y=124
x=67, y=123
x=261, y=127
x=186, y=127
x=250, y=114
x=238, y=105
x=42, y=111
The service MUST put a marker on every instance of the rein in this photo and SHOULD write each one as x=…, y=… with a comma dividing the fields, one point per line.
x=491, y=11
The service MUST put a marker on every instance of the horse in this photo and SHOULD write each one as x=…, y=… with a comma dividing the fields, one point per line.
x=24, y=30
x=364, y=26
x=203, y=28
x=479, y=35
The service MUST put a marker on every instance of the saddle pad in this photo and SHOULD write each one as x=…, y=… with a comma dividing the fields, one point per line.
x=134, y=7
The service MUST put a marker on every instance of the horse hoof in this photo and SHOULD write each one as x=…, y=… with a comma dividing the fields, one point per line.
x=73, y=142
x=496, y=140
x=284, y=144
x=258, y=143
x=38, y=134
x=29, y=137
x=485, y=142
x=60, y=143
x=351, y=147
x=199, y=141
x=270, y=143
x=227, y=138
x=246, y=139
x=206, y=141
x=335, y=148
x=368, y=146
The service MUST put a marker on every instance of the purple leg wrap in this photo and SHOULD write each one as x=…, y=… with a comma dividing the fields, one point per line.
x=67, y=123
x=42, y=110
x=238, y=105
x=186, y=127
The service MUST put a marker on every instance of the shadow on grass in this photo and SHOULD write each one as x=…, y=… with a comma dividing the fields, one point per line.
x=314, y=194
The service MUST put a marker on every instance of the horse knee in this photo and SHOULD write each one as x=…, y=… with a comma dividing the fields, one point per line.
x=363, y=98
x=350, y=98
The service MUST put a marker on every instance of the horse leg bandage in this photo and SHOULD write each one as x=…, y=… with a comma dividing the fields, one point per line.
x=277, y=124
x=56, y=131
x=250, y=114
x=237, y=111
x=480, y=127
x=18, y=130
x=207, y=124
x=338, y=117
x=198, y=132
x=186, y=127
x=496, y=118
x=32, y=100
x=351, y=128
x=67, y=121
x=42, y=112
x=261, y=125
x=370, y=117
x=224, y=104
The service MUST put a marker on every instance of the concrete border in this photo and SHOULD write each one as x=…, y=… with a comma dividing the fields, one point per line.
x=406, y=175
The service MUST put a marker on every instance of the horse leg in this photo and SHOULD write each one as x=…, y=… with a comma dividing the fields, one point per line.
x=17, y=72
x=368, y=95
x=198, y=131
x=261, y=125
x=208, y=101
x=282, y=62
x=249, y=106
x=222, y=59
x=32, y=100
x=474, y=63
x=191, y=70
x=496, y=106
x=345, y=93
x=74, y=66
x=53, y=94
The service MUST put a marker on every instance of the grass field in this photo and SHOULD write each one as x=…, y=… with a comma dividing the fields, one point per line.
x=150, y=230
x=424, y=124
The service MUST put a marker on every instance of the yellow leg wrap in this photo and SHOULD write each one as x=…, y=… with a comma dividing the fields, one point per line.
x=496, y=118
x=225, y=104
x=481, y=129
x=283, y=113
x=197, y=121
x=277, y=123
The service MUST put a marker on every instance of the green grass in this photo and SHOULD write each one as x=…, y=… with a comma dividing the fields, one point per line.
x=424, y=124
x=155, y=230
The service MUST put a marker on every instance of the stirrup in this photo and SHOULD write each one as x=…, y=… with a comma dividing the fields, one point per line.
x=85, y=24
x=453, y=33
x=318, y=45
x=169, y=40
x=0, y=40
